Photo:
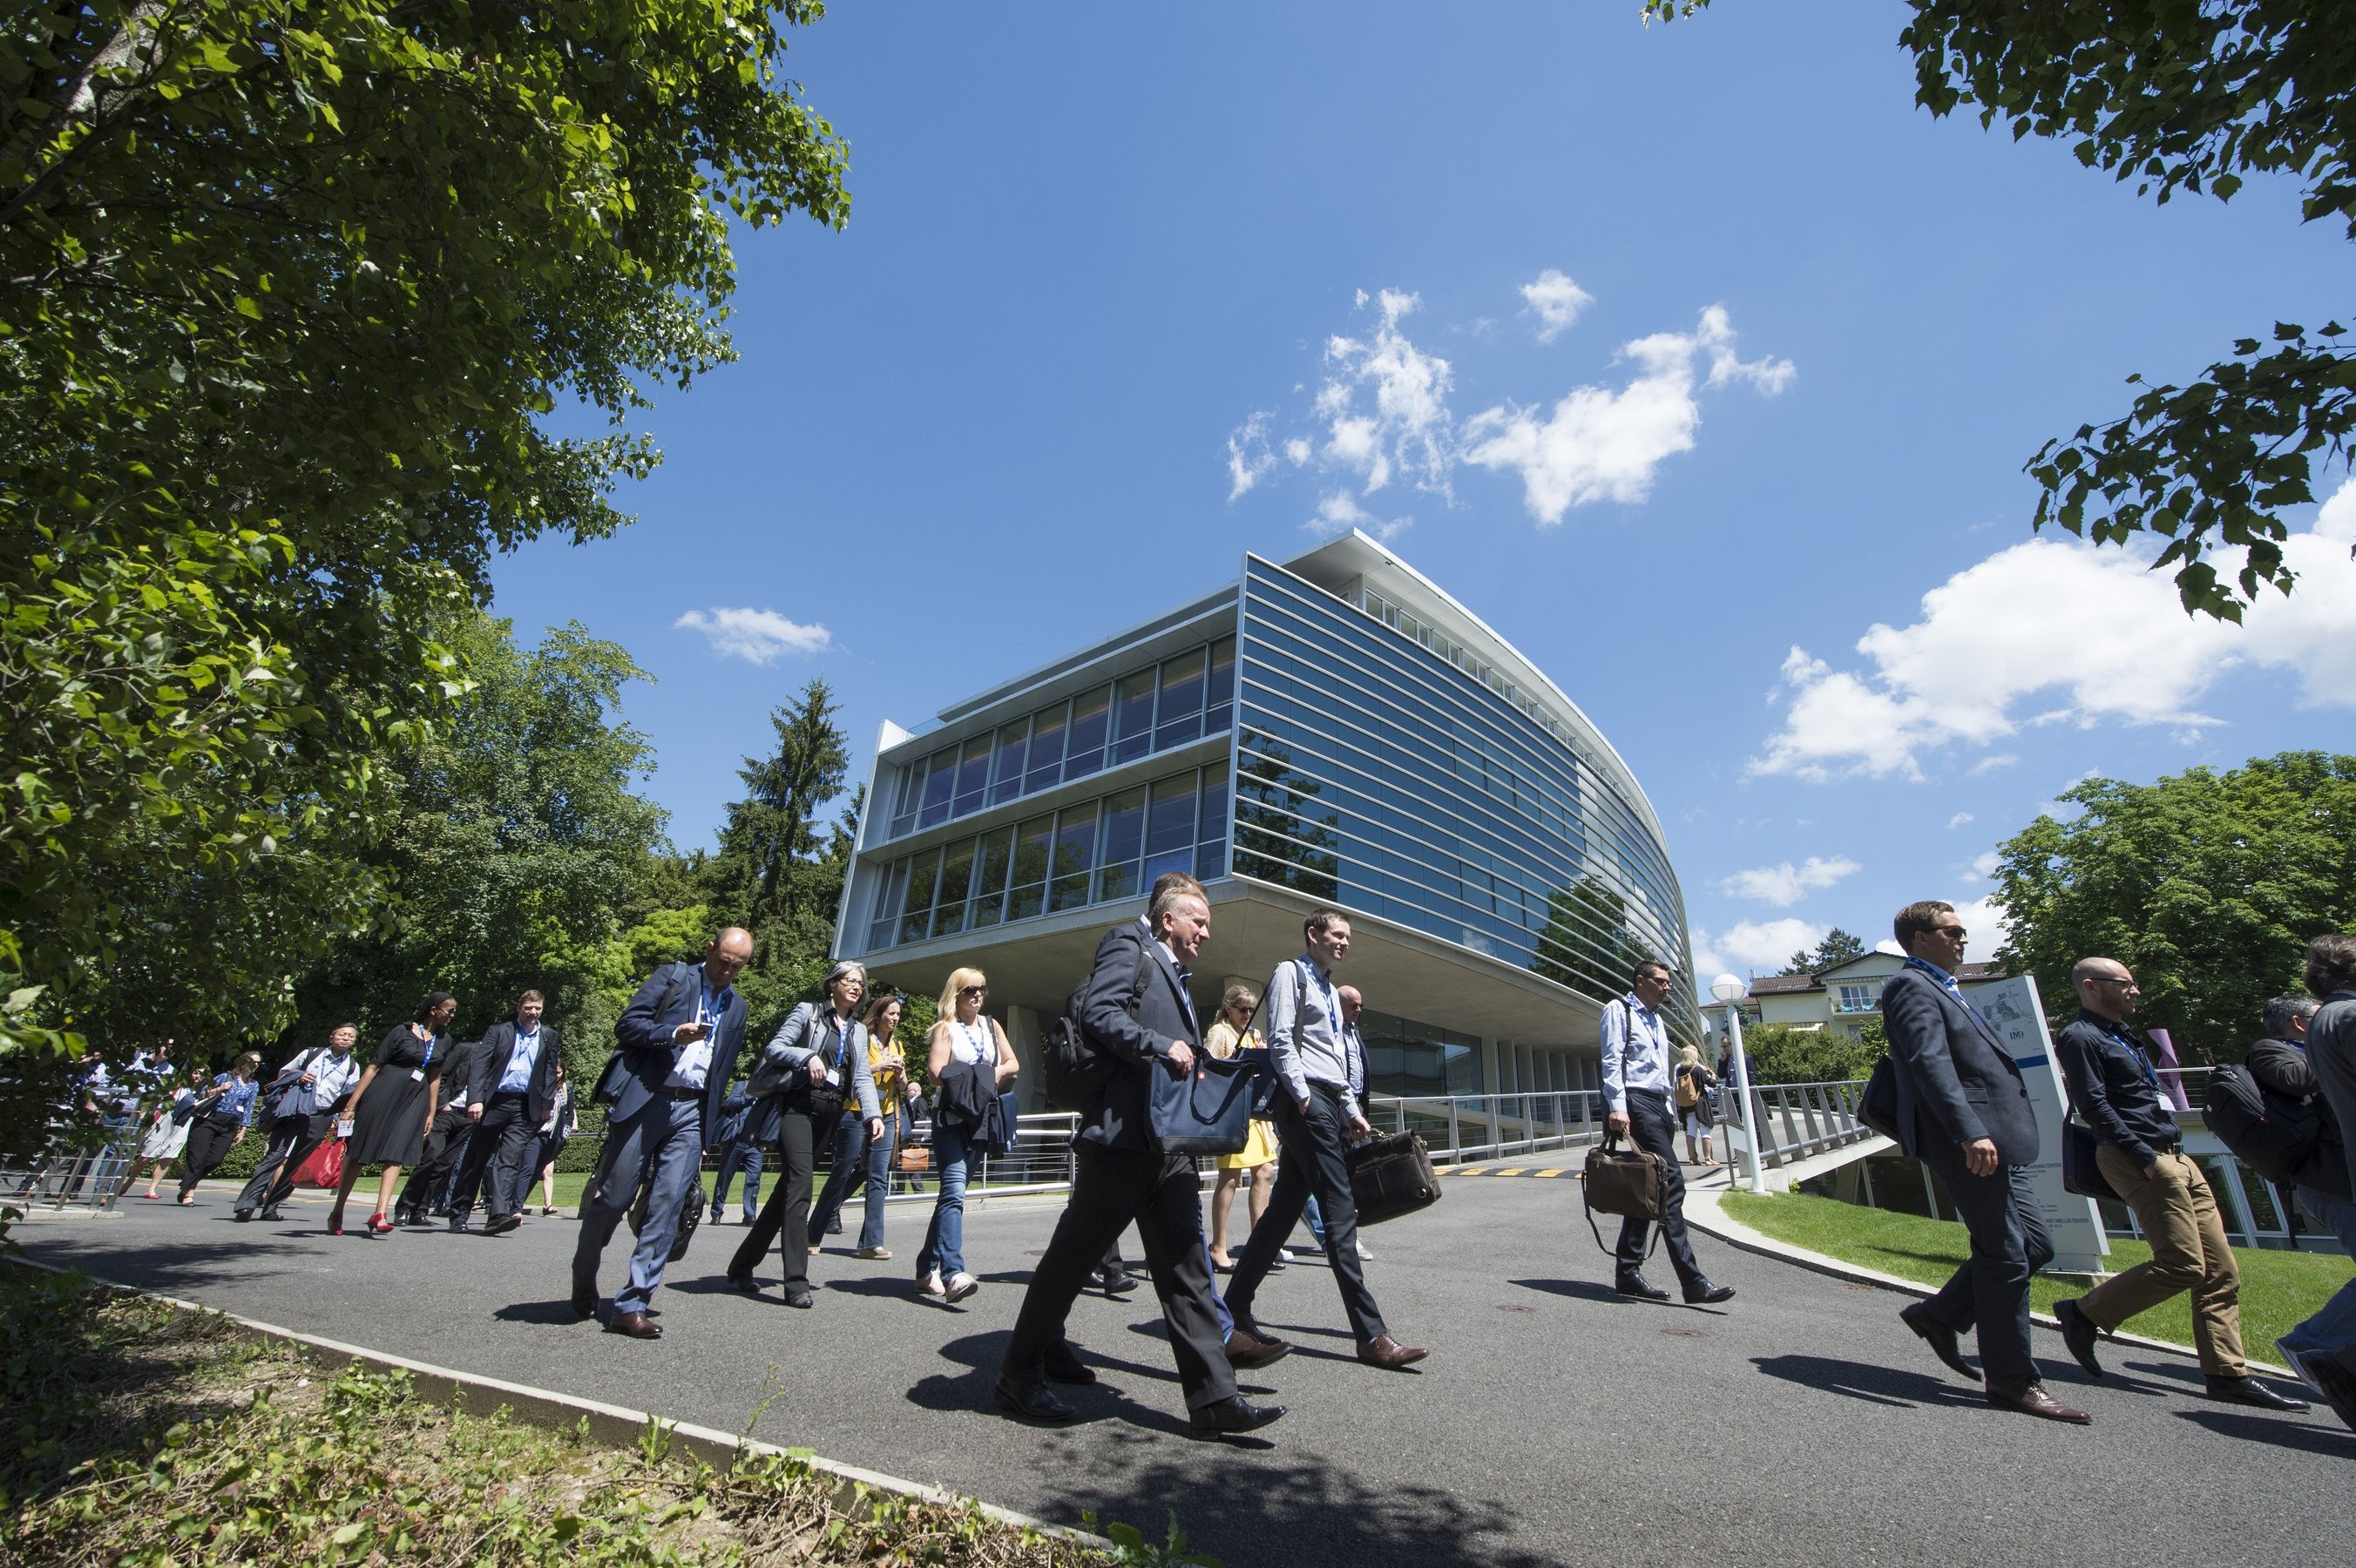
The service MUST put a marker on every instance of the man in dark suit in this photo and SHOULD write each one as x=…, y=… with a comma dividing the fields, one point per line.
x=510, y=1091
x=1963, y=1109
x=1119, y=1175
x=425, y=1197
x=676, y=1051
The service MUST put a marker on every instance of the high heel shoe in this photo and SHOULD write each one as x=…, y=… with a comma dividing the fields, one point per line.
x=379, y=1225
x=336, y=1223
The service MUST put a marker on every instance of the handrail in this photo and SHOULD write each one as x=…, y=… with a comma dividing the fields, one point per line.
x=1800, y=1120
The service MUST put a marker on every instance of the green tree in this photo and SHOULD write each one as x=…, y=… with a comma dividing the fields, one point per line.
x=1586, y=944
x=2178, y=95
x=288, y=292
x=1785, y=1053
x=1837, y=947
x=2208, y=885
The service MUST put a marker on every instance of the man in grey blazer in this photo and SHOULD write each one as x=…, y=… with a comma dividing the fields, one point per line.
x=1963, y=1109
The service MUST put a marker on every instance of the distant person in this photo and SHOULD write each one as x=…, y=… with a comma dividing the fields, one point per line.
x=224, y=1110
x=968, y=1045
x=1637, y=1057
x=2325, y=1187
x=2331, y=1048
x=393, y=1104
x=513, y=1090
x=809, y=1074
x=2115, y=1088
x=426, y=1196
x=1319, y=1109
x=1963, y=1109
x=563, y=1121
x=861, y=1160
x=167, y=1134
x=1229, y=1036
x=328, y=1071
x=677, y=1045
x=740, y=1155
x=1694, y=1083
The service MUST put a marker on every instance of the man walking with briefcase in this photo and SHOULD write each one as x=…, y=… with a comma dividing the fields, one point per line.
x=1636, y=1080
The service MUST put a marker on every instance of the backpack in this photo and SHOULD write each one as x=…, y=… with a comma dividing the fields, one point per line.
x=1689, y=1091
x=1074, y=1069
x=2272, y=1135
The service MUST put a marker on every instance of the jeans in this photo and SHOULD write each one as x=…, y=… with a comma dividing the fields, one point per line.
x=1316, y=1218
x=2332, y=1330
x=663, y=1144
x=857, y=1161
x=944, y=1246
x=741, y=1156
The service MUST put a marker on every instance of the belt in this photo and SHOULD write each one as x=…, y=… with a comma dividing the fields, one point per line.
x=1655, y=1094
x=1336, y=1090
x=670, y=1093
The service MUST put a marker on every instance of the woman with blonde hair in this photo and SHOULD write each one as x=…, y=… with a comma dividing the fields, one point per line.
x=969, y=1061
x=1694, y=1083
x=1233, y=1033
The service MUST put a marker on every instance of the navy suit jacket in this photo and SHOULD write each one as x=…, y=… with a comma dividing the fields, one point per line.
x=668, y=999
x=491, y=1065
x=1957, y=1082
x=1138, y=1043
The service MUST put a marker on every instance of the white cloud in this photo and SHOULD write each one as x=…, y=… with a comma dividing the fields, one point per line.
x=1786, y=884
x=1409, y=428
x=1603, y=446
x=1249, y=458
x=1960, y=818
x=756, y=637
x=1751, y=944
x=1340, y=512
x=1991, y=764
x=1555, y=301
x=1984, y=866
x=2049, y=618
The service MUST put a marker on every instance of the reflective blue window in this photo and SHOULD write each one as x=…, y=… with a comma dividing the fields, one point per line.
x=973, y=777
x=940, y=776
x=1075, y=849
x=1046, y=765
x=987, y=904
x=1132, y=716
x=1124, y=844
x=1090, y=715
x=1180, y=716
x=1006, y=773
x=924, y=877
x=1033, y=843
x=956, y=879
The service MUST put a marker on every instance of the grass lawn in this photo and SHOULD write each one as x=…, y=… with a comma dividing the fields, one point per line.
x=2278, y=1288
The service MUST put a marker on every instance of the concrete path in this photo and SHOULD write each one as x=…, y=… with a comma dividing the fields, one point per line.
x=1554, y=1422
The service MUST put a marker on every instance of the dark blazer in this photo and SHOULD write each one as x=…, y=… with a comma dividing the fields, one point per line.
x=2282, y=1067
x=1956, y=1083
x=458, y=1072
x=491, y=1065
x=668, y=999
x=1138, y=1043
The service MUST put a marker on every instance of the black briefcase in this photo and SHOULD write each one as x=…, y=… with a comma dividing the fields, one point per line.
x=1391, y=1175
x=1631, y=1183
x=1878, y=1106
x=2080, y=1172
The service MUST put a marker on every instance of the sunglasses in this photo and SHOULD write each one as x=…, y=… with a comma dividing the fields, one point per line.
x=974, y=991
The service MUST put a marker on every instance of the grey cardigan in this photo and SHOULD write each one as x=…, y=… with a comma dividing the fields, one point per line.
x=785, y=1059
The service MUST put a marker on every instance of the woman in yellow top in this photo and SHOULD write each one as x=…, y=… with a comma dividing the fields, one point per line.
x=858, y=1159
x=1233, y=1033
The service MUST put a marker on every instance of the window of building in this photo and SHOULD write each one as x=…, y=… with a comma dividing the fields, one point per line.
x=956, y=879
x=1076, y=850
x=1006, y=773
x=1124, y=845
x=1860, y=998
x=1169, y=829
x=1047, y=732
x=1219, y=697
x=973, y=777
x=987, y=905
x=1132, y=716
x=1028, y=894
x=1090, y=715
x=940, y=776
x=924, y=878
x=1180, y=716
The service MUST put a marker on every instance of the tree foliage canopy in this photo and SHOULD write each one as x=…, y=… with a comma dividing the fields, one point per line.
x=2208, y=885
x=1837, y=947
x=2178, y=95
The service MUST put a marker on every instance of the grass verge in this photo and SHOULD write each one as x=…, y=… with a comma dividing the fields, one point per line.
x=145, y=1435
x=2278, y=1288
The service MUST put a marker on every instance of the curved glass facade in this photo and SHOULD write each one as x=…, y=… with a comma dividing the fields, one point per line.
x=1375, y=772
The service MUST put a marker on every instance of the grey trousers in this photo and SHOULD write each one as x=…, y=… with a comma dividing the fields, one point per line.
x=663, y=1143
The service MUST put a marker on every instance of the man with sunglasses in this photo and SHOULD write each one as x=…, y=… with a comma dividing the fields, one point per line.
x=1963, y=1109
x=2115, y=1090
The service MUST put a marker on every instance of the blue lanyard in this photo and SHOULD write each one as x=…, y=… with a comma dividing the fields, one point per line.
x=1326, y=995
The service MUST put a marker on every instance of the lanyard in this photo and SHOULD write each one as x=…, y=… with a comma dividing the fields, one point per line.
x=1326, y=995
x=2141, y=1060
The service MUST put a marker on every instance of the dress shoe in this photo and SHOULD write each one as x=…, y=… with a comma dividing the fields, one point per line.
x=1230, y=1418
x=440, y=1211
x=1116, y=1282
x=2079, y=1332
x=803, y=1299
x=2031, y=1398
x=271, y=1214
x=2250, y=1390
x=636, y=1325
x=2336, y=1383
x=745, y=1282
x=503, y=1225
x=584, y=1302
x=1940, y=1338
x=1387, y=1353
x=1637, y=1285
x=457, y=1225
x=1064, y=1366
x=1036, y=1406
x=417, y=1223
x=243, y=1215
x=1701, y=1292
x=1249, y=1350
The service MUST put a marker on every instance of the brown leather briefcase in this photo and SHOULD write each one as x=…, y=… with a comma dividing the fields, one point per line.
x=1631, y=1183
x=1392, y=1176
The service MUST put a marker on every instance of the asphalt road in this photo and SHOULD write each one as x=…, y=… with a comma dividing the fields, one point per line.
x=1554, y=1422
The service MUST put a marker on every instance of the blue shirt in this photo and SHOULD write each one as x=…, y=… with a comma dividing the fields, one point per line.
x=1635, y=1045
x=695, y=1059
x=237, y=1100
x=516, y=1078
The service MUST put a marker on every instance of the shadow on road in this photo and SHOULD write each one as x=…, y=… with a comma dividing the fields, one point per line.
x=2304, y=1436
x=1576, y=1289
x=1857, y=1379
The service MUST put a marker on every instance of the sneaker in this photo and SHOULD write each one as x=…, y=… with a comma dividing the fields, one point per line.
x=877, y=1254
x=928, y=1283
x=960, y=1285
x=1363, y=1255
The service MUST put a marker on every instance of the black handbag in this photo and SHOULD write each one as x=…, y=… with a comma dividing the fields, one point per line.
x=689, y=1218
x=1631, y=1183
x=1878, y=1106
x=1208, y=1110
x=2081, y=1173
x=1391, y=1175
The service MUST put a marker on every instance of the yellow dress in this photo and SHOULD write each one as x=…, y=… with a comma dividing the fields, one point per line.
x=1220, y=1040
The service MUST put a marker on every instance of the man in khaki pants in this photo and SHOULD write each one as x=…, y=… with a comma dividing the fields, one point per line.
x=2114, y=1088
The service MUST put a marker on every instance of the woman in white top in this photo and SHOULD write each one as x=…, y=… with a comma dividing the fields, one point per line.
x=962, y=1035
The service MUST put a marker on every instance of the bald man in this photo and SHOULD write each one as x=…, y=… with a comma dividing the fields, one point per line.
x=2115, y=1090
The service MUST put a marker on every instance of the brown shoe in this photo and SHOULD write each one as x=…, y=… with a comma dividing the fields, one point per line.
x=636, y=1325
x=1248, y=1350
x=1387, y=1353
x=2031, y=1398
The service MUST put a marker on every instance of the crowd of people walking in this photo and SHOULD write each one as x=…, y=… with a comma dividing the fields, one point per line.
x=479, y=1122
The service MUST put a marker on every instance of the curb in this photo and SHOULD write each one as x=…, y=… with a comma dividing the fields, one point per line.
x=1710, y=1218
x=614, y=1424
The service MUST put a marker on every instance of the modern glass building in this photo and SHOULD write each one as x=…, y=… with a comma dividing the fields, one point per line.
x=1333, y=729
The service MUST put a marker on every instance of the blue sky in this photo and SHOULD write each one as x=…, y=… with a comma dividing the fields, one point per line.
x=1692, y=358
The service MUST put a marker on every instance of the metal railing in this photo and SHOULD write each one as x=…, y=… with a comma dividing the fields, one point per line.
x=78, y=1166
x=1797, y=1121
x=1462, y=1127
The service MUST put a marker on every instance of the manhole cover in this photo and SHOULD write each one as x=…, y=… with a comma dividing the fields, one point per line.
x=1512, y=1306
x=1685, y=1333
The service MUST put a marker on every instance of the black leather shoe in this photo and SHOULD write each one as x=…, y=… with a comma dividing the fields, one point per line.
x=2250, y=1390
x=273, y=1215
x=1702, y=1293
x=1036, y=1406
x=745, y=1282
x=803, y=1299
x=503, y=1225
x=1064, y=1366
x=457, y=1225
x=1230, y=1418
x=418, y=1222
x=1637, y=1285
x=243, y=1216
x=1940, y=1338
x=2079, y=1332
x=636, y=1325
x=1120, y=1282
x=584, y=1302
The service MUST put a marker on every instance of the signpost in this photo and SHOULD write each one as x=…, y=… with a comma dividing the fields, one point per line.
x=2011, y=1006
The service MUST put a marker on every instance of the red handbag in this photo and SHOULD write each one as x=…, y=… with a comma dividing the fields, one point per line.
x=322, y=1167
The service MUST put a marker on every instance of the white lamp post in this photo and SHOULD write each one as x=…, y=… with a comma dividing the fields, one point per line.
x=1730, y=990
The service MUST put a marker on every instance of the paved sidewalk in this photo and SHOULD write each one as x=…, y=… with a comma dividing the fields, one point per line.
x=1555, y=1422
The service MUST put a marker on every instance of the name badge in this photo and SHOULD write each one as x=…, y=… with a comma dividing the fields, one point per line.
x=417, y=1075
